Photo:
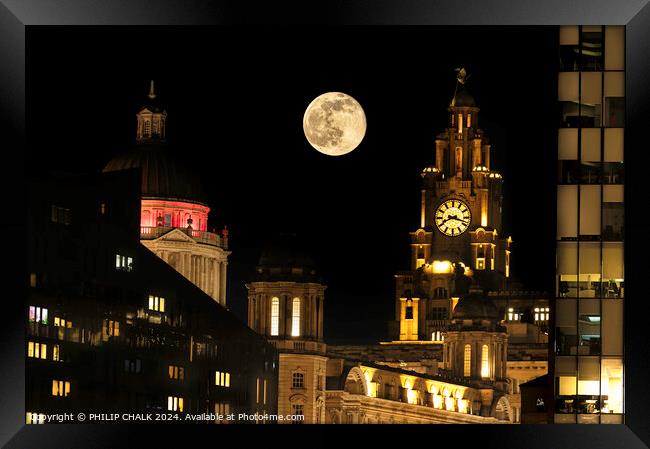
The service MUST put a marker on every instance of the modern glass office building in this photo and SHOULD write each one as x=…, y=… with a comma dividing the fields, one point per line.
x=588, y=365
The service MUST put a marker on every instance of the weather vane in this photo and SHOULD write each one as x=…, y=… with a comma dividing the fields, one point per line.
x=461, y=78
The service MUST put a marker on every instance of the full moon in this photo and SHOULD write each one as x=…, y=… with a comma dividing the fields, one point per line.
x=334, y=123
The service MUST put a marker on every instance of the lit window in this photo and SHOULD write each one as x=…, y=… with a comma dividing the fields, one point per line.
x=222, y=409
x=542, y=313
x=275, y=316
x=60, y=322
x=37, y=315
x=265, y=391
x=460, y=123
x=512, y=315
x=257, y=391
x=147, y=128
x=60, y=388
x=298, y=380
x=156, y=303
x=295, y=318
x=56, y=354
x=35, y=418
x=36, y=350
x=469, y=120
x=372, y=389
x=174, y=404
x=467, y=361
x=123, y=263
x=222, y=379
x=485, y=364
x=480, y=263
x=176, y=372
x=32, y=280
x=111, y=328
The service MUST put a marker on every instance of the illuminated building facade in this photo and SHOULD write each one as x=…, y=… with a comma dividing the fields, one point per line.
x=460, y=226
x=590, y=287
x=111, y=327
x=174, y=212
x=328, y=384
x=285, y=304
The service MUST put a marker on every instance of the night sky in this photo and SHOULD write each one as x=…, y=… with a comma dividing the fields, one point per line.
x=235, y=99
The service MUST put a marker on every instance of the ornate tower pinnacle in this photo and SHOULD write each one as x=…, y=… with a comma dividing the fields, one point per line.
x=151, y=120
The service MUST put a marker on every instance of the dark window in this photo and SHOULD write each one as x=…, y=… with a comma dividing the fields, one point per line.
x=589, y=329
x=569, y=58
x=613, y=219
x=612, y=173
x=440, y=293
x=298, y=380
x=568, y=172
x=132, y=366
x=409, y=313
x=615, y=111
x=60, y=215
x=592, y=50
x=439, y=313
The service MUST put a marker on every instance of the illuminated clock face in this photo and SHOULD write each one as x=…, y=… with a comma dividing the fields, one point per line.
x=453, y=217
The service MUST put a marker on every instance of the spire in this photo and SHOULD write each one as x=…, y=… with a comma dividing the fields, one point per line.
x=152, y=95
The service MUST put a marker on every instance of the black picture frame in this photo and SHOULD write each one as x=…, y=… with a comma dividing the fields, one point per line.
x=17, y=15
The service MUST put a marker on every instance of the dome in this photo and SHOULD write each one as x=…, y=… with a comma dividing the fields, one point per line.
x=464, y=99
x=475, y=306
x=163, y=175
x=285, y=259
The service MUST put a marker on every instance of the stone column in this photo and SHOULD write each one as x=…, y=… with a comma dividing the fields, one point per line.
x=202, y=262
x=320, y=316
x=222, y=284
x=313, y=329
x=216, y=281
x=210, y=282
x=262, y=311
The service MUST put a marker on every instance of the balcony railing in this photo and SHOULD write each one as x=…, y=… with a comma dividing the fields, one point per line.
x=208, y=238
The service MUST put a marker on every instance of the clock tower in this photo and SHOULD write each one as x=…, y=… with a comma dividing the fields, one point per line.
x=460, y=226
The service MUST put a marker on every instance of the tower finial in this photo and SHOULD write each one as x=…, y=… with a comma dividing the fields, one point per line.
x=152, y=95
x=461, y=79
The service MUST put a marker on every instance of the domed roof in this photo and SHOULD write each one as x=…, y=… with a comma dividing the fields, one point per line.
x=475, y=306
x=284, y=258
x=464, y=99
x=163, y=175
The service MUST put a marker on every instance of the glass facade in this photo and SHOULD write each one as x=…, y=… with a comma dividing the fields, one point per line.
x=590, y=281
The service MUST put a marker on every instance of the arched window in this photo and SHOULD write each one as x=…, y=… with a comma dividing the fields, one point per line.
x=275, y=316
x=295, y=318
x=485, y=365
x=467, y=361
